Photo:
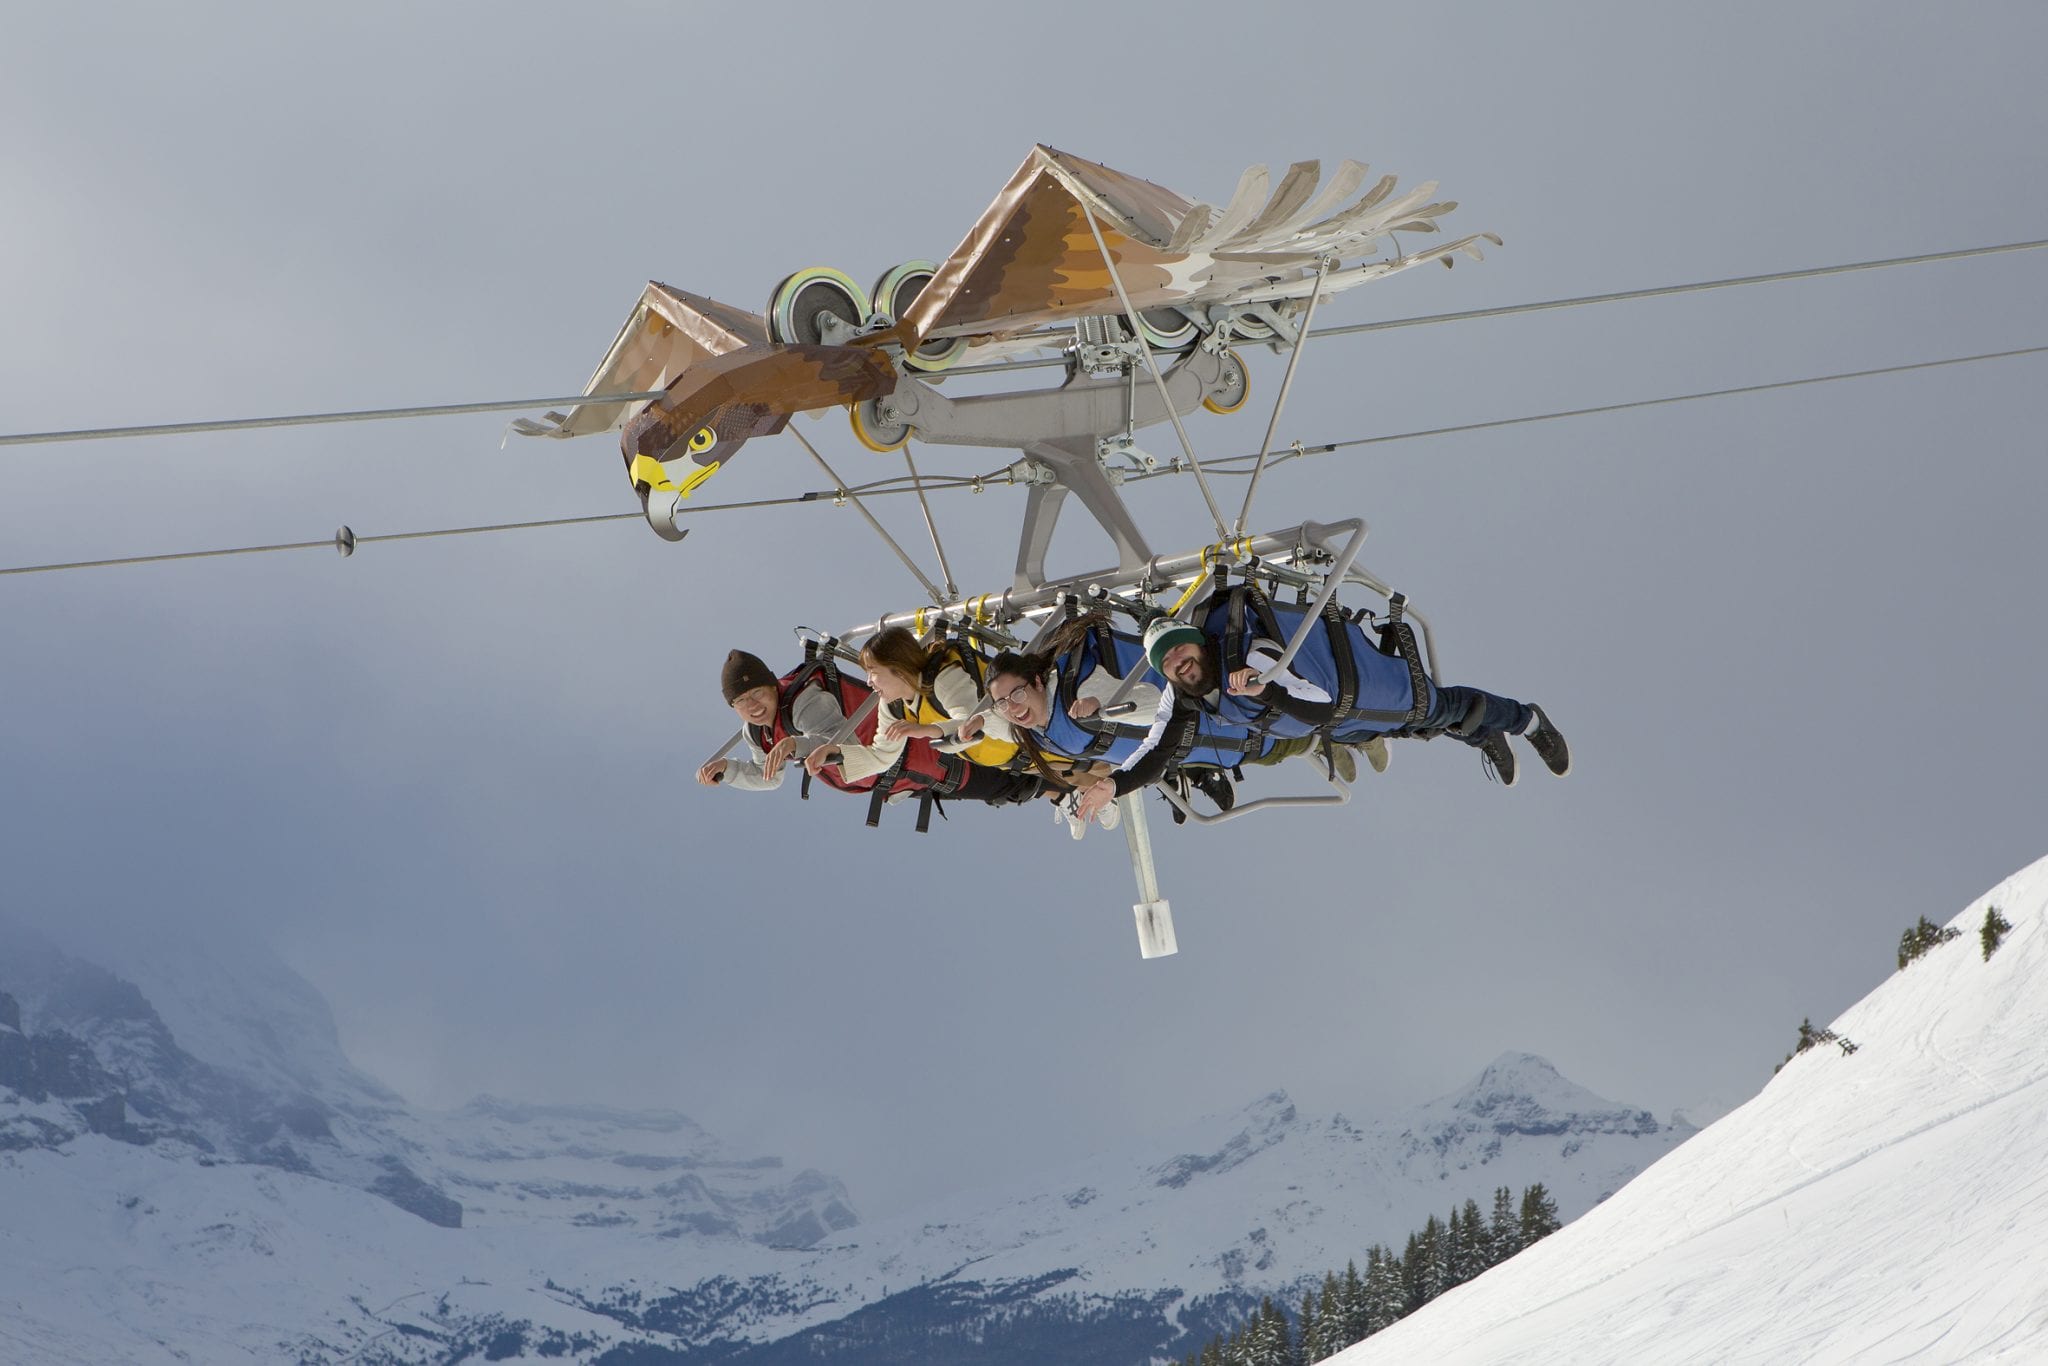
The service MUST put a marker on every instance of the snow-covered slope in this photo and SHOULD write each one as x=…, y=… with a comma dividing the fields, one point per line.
x=1885, y=1205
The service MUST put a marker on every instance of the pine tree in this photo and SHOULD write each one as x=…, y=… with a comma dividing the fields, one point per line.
x=1505, y=1237
x=1253, y=1340
x=1429, y=1273
x=1274, y=1345
x=1995, y=929
x=1355, y=1304
x=1922, y=937
x=1474, y=1242
x=1539, y=1215
x=1386, y=1289
x=1454, y=1245
x=1311, y=1331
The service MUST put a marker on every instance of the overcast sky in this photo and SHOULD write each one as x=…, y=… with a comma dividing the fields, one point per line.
x=1793, y=637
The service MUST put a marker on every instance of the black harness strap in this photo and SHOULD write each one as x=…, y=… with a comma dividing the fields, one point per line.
x=1102, y=733
x=953, y=776
x=1401, y=636
x=1339, y=632
x=787, y=702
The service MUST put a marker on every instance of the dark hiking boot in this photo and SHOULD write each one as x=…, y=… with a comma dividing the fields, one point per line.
x=1548, y=743
x=1214, y=784
x=1497, y=758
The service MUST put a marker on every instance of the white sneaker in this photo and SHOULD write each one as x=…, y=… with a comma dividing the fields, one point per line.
x=1063, y=810
x=1111, y=816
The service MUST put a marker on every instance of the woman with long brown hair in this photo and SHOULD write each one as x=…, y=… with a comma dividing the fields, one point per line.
x=928, y=694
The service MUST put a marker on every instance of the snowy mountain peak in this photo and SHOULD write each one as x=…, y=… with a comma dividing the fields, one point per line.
x=1264, y=1122
x=84, y=1050
x=1521, y=1093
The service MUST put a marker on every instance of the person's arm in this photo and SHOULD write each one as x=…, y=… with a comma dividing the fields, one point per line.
x=816, y=717
x=1170, y=727
x=863, y=761
x=1289, y=694
x=1147, y=763
x=744, y=775
x=1100, y=685
x=956, y=694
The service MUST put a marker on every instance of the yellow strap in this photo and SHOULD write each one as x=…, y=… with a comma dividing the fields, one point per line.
x=1186, y=597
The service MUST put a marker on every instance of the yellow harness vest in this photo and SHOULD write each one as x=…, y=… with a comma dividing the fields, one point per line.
x=987, y=752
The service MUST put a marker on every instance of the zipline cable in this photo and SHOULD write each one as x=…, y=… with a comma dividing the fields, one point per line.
x=1662, y=291
x=517, y=405
x=1611, y=408
x=245, y=424
x=887, y=487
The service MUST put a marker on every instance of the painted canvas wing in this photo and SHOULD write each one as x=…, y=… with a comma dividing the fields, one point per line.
x=668, y=331
x=1031, y=260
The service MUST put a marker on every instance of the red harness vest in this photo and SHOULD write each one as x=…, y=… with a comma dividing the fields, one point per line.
x=920, y=766
x=852, y=696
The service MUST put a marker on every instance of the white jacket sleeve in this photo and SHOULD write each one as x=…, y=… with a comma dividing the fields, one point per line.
x=1265, y=654
x=864, y=761
x=1102, y=685
x=817, y=717
x=956, y=695
x=1162, y=715
x=744, y=775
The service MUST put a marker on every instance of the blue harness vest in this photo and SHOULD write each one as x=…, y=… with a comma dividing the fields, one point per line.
x=1380, y=696
x=1218, y=743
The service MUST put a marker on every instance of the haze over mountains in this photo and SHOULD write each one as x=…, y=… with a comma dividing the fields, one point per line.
x=1884, y=1196
x=191, y=1165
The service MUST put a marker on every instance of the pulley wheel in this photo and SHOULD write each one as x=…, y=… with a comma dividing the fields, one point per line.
x=895, y=292
x=899, y=287
x=799, y=301
x=878, y=436
x=1167, y=329
x=1233, y=388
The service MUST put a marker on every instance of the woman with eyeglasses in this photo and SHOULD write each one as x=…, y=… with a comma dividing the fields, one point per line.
x=1055, y=698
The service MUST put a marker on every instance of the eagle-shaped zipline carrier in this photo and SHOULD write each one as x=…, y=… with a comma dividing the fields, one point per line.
x=1143, y=296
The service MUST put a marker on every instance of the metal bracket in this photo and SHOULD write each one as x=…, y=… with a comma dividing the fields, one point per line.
x=1153, y=912
x=1060, y=429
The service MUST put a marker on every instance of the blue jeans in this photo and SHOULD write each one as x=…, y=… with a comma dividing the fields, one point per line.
x=1497, y=714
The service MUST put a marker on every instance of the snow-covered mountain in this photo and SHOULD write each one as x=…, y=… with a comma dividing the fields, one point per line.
x=275, y=1089
x=150, y=1177
x=1889, y=1204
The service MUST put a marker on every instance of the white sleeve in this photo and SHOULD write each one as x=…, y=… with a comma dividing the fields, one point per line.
x=1102, y=685
x=863, y=761
x=956, y=696
x=744, y=775
x=1162, y=716
x=816, y=717
x=1264, y=655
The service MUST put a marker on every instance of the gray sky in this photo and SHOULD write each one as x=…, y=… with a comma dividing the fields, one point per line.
x=1790, y=636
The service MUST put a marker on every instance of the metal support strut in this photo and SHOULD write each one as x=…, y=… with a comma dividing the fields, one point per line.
x=1117, y=279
